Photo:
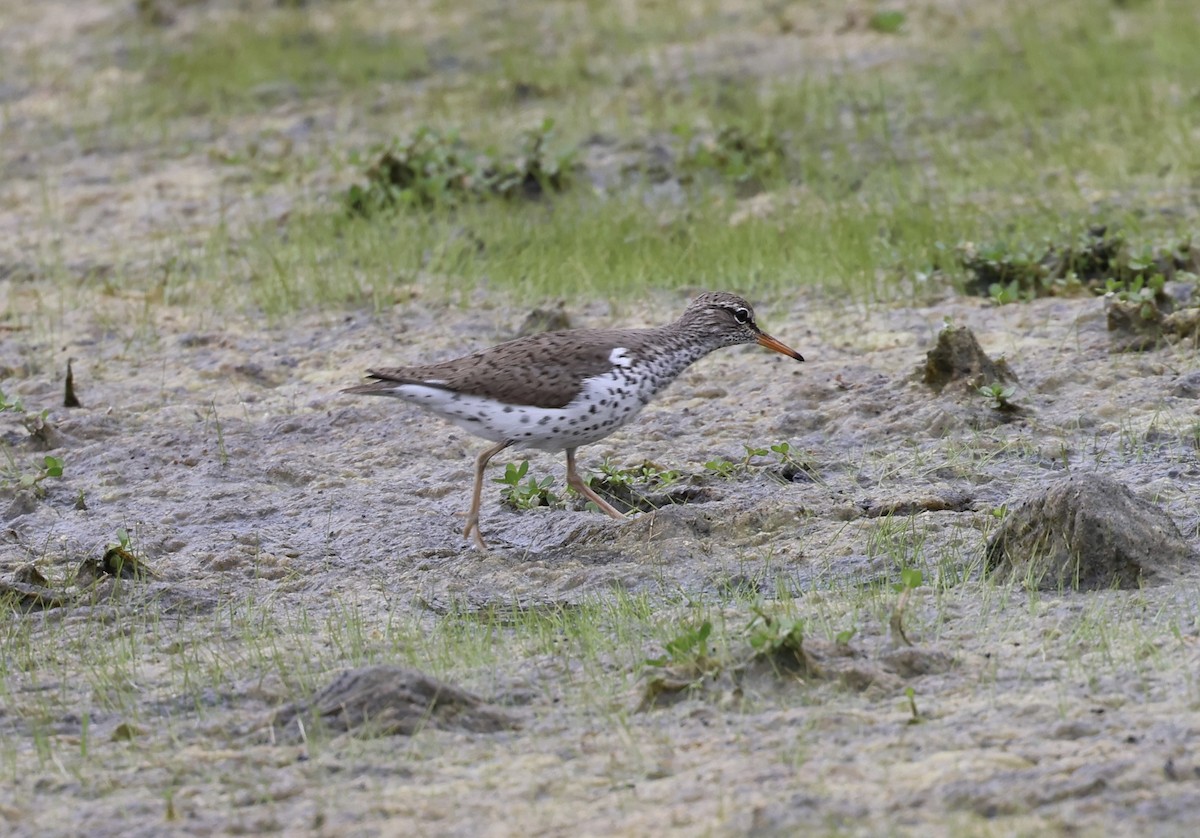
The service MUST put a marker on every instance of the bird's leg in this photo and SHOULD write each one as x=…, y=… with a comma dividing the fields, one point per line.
x=576, y=482
x=473, y=516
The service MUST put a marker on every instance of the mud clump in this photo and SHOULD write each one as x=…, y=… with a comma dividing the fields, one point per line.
x=391, y=700
x=551, y=319
x=27, y=589
x=1088, y=532
x=959, y=357
x=1134, y=327
x=788, y=659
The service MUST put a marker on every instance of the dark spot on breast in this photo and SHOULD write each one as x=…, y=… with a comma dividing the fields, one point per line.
x=525, y=421
x=508, y=408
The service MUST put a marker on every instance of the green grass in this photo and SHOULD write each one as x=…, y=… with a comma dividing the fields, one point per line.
x=579, y=245
x=145, y=702
x=1024, y=125
x=251, y=62
x=1022, y=133
x=126, y=670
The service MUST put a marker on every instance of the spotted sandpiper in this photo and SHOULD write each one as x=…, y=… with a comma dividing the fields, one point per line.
x=557, y=391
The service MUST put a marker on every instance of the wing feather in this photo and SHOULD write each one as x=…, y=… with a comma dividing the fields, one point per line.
x=542, y=370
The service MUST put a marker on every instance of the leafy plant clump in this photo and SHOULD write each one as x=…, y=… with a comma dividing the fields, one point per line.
x=645, y=487
x=1145, y=293
x=999, y=396
x=784, y=465
x=687, y=660
x=429, y=169
x=1099, y=261
x=528, y=495
x=750, y=159
x=779, y=640
x=887, y=22
x=688, y=649
x=14, y=475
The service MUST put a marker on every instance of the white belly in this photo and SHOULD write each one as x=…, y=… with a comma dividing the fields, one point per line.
x=606, y=403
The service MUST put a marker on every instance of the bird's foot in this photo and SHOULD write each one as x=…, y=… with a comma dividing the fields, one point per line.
x=472, y=529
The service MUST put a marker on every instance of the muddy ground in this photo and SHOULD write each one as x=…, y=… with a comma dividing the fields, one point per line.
x=311, y=500
x=247, y=481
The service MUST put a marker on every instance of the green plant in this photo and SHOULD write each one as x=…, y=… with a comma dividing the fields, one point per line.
x=1005, y=270
x=646, y=486
x=745, y=157
x=910, y=580
x=785, y=464
x=121, y=558
x=222, y=451
x=914, y=716
x=14, y=475
x=789, y=467
x=528, y=495
x=1097, y=259
x=999, y=395
x=887, y=22
x=771, y=635
x=752, y=451
x=10, y=404
x=688, y=650
x=646, y=473
x=1002, y=293
x=1142, y=291
x=429, y=169
x=722, y=468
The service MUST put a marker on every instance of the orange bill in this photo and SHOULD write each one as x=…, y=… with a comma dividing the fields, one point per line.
x=766, y=340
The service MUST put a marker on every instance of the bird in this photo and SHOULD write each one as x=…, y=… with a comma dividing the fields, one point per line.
x=557, y=391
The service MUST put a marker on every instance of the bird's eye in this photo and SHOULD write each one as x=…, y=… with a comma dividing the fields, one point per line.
x=741, y=315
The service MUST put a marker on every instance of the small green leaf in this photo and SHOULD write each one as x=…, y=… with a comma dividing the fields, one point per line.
x=889, y=23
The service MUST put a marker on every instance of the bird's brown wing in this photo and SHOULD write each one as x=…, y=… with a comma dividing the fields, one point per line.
x=543, y=370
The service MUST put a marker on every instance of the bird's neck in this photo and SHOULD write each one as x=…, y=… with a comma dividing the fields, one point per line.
x=673, y=349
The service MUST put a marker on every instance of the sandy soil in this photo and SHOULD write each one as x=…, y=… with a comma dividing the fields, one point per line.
x=322, y=500
x=249, y=482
